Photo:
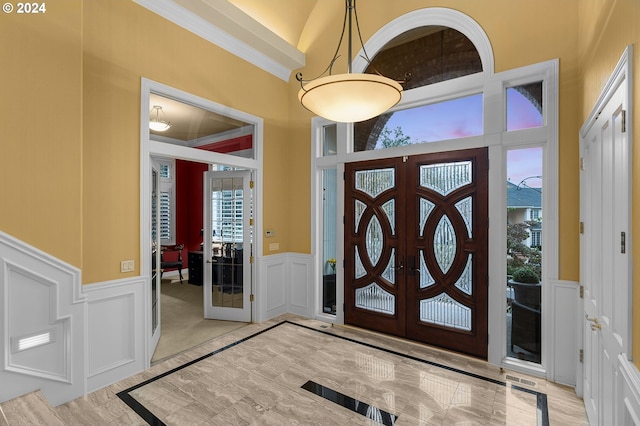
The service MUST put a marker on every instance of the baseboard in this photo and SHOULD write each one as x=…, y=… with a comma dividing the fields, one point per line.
x=630, y=392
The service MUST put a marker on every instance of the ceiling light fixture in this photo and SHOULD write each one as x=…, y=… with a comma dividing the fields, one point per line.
x=349, y=97
x=156, y=123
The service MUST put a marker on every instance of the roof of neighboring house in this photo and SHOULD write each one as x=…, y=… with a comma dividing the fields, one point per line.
x=523, y=196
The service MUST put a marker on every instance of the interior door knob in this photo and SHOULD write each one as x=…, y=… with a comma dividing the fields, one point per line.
x=594, y=319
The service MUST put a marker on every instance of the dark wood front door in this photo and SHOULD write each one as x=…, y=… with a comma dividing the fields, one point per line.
x=416, y=251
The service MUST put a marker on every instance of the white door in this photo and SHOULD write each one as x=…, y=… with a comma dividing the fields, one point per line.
x=605, y=258
x=155, y=258
x=227, y=250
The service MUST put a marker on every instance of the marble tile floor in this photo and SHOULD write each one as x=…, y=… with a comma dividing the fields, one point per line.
x=296, y=371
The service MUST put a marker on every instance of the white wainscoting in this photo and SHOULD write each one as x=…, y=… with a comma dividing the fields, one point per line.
x=565, y=334
x=629, y=402
x=300, y=280
x=286, y=286
x=40, y=296
x=116, y=323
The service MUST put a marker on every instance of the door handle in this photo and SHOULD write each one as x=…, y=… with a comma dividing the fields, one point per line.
x=412, y=265
x=596, y=323
x=594, y=319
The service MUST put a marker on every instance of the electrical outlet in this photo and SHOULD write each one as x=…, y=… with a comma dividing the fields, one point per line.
x=127, y=265
x=274, y=246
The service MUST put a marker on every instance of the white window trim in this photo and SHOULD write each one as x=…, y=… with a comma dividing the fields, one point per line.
x=495, y=137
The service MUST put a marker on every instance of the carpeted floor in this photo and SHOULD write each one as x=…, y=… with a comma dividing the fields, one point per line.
x=182, y=322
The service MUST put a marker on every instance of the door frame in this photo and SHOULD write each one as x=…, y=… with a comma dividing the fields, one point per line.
x=498, y=141
x=149, y=148
x=620, y=78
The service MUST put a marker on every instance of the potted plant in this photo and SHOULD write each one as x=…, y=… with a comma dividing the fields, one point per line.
x=526, y=275
x=526, y=287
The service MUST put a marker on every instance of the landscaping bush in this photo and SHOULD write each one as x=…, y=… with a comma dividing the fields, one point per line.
x=526, y=275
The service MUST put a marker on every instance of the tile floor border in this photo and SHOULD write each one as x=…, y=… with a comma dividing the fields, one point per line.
x=152, y=419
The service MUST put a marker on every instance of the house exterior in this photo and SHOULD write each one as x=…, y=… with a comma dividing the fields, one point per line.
x=524, y=204
x=74, y=172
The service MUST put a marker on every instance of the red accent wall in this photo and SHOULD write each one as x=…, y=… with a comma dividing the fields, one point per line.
x=189, y=192
x=230, y=145
x=189, y=220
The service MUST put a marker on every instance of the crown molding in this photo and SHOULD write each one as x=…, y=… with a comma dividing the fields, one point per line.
x=228, y=27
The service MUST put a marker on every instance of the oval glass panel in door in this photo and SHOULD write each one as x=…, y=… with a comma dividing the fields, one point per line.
x=444, y=244
x=374, y=240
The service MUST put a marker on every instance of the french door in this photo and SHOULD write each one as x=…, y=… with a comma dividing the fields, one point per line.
x=156, y=328
x=227, y=247
x=416, y=250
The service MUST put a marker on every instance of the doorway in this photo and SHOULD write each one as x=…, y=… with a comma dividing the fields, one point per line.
x=195, y=131
x=416, y=248
x=181, y=309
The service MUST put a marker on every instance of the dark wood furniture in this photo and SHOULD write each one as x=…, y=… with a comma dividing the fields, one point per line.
x=195, y=267
x=171, y=259
x=227, y=271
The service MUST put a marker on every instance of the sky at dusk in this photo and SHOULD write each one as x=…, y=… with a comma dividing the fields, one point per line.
x=462, y=117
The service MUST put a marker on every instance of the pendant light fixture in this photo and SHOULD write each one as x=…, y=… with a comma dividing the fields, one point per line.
x=157, y=122
x=349, y=97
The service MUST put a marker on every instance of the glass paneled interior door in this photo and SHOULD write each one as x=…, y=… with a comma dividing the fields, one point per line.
x=416, y=252
x=227, y=245
x=155, y=259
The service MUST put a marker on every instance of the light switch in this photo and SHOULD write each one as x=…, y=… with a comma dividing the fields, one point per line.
x=127, y=265
x=274, y=246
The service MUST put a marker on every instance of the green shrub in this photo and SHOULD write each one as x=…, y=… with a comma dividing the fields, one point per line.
x=526, y=275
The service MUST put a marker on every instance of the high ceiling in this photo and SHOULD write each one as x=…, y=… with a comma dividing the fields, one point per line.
x=286, y=18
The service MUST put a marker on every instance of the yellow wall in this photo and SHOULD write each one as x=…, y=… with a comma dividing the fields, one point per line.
x=69, y=156
x=607, y=28
x=78, y=66
x=122, y=43
x=40, y=130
